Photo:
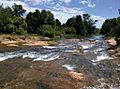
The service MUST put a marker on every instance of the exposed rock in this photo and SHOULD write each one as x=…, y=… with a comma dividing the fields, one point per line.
x=13, y=45
x=76, y=75
x=9, y=42
x=111, y=42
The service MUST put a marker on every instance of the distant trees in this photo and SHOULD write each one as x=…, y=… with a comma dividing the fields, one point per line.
x=37, y=19
x=111, y=28
x=18, y=10
x=83, y=27
x=11, y=20
x=58, y=23
x=43, y=23
x=46, y=30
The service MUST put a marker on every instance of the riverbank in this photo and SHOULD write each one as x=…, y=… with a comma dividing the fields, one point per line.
x=28, y=40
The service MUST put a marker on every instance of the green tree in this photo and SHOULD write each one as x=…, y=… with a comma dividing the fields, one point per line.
x=5, y=14
x=70, y=22
x=20, y=25
x=79, y=25
x=47, y=18
x=37, y=19
x=33, y=21
x=58, y=23
x=18, y=10
x=111, y=28
x=70, y=30
x=88, y=25
x=117, y=32
x=46, y=30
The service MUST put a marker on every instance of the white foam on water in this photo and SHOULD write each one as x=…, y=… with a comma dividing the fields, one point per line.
x=54, y=47
x=86, y=45
x=98, y=50
x=47, y=57
x=49, y=47
x=103, y=56
x=70, y=51
x=68, y=67
x=8, y=55
x=102, y=85
x=85, y=51
x=32, y=54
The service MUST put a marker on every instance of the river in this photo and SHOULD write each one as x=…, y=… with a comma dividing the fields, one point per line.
x=89, y=55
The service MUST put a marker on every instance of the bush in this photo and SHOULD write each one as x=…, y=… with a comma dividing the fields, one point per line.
x=21, y=25
x=10, y=28
x=69, y=30
x=46, y=30
x=21, y=31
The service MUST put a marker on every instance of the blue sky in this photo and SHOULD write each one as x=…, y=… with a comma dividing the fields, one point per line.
x=64, y=9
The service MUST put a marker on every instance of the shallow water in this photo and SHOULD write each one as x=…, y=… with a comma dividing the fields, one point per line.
x=93, y=59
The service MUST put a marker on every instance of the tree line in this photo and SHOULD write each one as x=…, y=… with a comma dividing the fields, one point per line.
x=43, y=22
x=111, y=28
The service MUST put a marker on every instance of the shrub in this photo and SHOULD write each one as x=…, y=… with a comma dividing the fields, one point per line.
x=46, y=30
x=69, y=30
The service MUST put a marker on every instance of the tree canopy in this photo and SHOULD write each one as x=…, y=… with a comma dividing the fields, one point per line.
x=111, y=28
x=43, y=23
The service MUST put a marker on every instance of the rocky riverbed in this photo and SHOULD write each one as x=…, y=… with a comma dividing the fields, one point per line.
x=73, y=64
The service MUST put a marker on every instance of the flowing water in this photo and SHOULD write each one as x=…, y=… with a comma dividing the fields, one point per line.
x=91, y=55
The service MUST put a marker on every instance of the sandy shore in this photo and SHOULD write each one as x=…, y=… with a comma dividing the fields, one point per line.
x=16, y=40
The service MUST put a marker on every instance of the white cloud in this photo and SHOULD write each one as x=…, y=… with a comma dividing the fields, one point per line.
x=64, y=9
x=63, y=13
x=66, y=1
x=60, y=12
x=100, y=20
x=91, y=5
x=10, y=3
x=83, y=2
x=88, y=3
x=38, y=2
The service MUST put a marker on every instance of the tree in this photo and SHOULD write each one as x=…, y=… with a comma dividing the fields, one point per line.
x=79, y=25
x=117, y=31
x=18, y=10
x=83, y=27
x=5, y=14
x=75, y=22
x=33, y=21
x=29, y=21
x=111, y=28
x=47, y=18
x=119, y=11
x=20, y=25
x=46, y=30
x=108, y=27
x=70, y=30
x=89, y=24
x=70, y=22
x=37, y=19
x=58, y=23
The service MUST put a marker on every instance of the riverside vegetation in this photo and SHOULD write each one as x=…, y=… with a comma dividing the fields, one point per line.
x=43, y=23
